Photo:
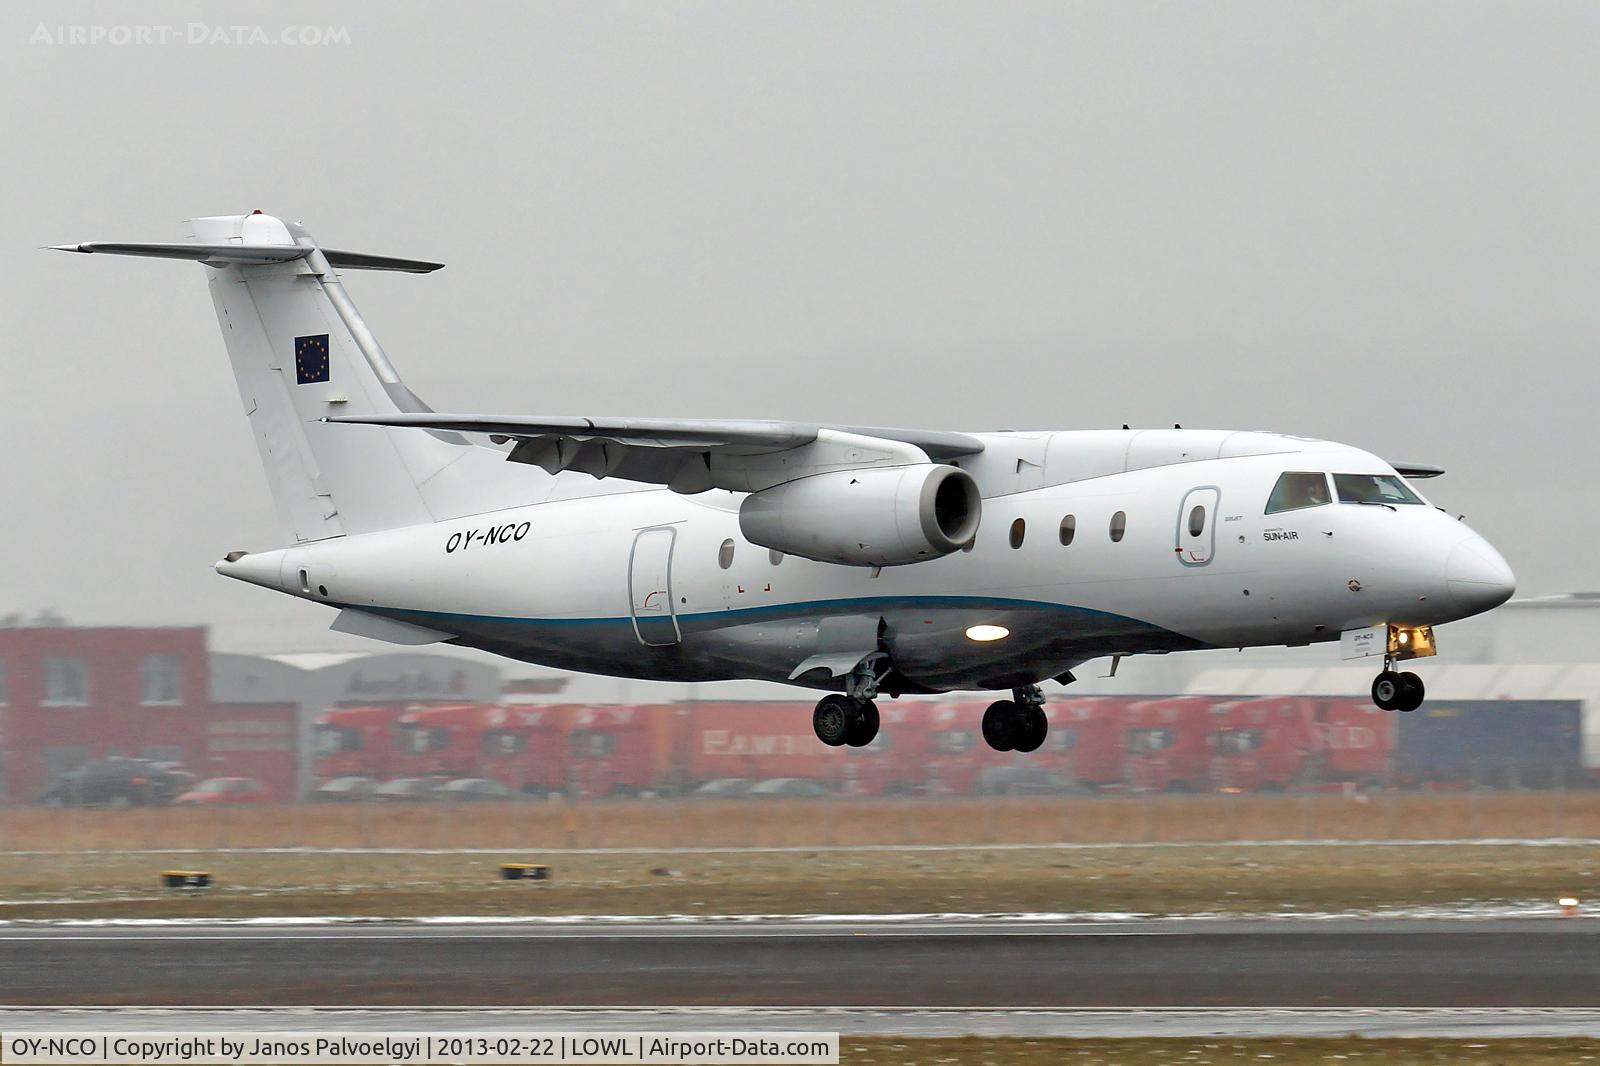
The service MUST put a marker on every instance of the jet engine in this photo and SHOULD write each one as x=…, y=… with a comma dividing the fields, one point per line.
x=866, y=516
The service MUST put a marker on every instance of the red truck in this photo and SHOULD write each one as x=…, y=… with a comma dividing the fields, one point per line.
x=522, y=748
x=954, y=754
x=1085, y=742
x=750, y=741
x=757, y=741
x=1281, y=742
x=1166, y=745
x=618, y=751
x=895, y=763
x=356, y=742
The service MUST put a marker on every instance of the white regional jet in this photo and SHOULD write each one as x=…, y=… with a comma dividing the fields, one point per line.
x=850, y=559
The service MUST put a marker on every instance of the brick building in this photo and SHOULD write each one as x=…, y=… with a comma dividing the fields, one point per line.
x=71, y=694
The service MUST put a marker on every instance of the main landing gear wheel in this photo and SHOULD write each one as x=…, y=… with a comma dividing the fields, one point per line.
x=1036, y=727
x=840, y=720
x=1012, y=726
x=833, y=718
x=865, y=728
x=1393, y=691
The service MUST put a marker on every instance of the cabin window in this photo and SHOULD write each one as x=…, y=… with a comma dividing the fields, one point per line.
x=420, y=739
x=1197, y=520
x=1019, y=530
x=725, y=554
x=1296, y=489
x=504, y=742
x=1069, y=529
x=332, y=739
x=1119, y=526
x=773, y=555
x=1373, y=488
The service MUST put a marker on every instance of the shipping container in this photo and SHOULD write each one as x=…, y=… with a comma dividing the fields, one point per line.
x=1492, y=743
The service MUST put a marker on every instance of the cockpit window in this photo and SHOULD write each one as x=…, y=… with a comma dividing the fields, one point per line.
x=1373, y=488
x=1296, y=489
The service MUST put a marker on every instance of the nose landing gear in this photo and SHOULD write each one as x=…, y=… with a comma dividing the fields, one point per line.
x=1393, y=691
x=1017, y=724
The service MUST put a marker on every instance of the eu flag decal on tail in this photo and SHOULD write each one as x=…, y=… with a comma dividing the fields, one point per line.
x=311, y=359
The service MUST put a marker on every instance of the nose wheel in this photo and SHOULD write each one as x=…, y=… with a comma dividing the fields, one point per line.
x=1393, y=691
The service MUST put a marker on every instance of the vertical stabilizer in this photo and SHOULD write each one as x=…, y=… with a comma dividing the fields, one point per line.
x=301, y=352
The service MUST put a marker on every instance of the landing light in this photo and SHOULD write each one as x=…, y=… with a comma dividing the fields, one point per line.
x=985, y=633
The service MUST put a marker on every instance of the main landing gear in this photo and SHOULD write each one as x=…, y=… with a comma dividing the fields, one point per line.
x=840, y=720
x=1017, y=724
x=850, y=717
x=1393, y=691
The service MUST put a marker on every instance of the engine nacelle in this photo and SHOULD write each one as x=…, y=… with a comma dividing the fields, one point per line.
x=868, y=516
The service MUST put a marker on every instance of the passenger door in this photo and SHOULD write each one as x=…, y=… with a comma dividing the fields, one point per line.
x=1197, y=526
x=650, y=588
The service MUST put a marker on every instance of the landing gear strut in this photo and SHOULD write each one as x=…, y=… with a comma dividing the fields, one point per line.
x=1017, y=724
x=1393, y=691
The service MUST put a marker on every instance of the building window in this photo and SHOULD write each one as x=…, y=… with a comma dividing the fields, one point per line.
x=1019, y=529
x=1119, y=526
x=66, y=681
x=161, y=679
x=725, y=554
x=1069, y=529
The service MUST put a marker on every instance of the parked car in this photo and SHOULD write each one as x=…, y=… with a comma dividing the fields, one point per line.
x=723, y=788
x=344, y=790
x=473, y=790
x=118, y=782
x=407, y=790
x=788, y=787
x=1022, y=781
x=226, y=790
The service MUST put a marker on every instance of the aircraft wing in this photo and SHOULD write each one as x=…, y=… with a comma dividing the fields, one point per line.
x=692, y=455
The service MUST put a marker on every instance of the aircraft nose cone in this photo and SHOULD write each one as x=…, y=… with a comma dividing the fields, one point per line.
x=1477, y=577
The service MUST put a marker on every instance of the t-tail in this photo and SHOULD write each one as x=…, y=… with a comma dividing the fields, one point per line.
x=302, y=353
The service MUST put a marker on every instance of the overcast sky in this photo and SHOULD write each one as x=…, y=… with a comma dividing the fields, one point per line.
x=1372, y=222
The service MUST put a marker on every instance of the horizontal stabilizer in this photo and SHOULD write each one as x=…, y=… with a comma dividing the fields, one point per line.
x=252, y=254
x=199, y=253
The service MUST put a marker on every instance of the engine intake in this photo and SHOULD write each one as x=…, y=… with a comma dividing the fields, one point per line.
x=867, y=517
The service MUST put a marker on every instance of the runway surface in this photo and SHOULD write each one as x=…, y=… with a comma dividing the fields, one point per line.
x=969, y=966
x=1461, y=1022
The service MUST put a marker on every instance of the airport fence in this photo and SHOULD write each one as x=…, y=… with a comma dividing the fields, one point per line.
x=801, y=823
